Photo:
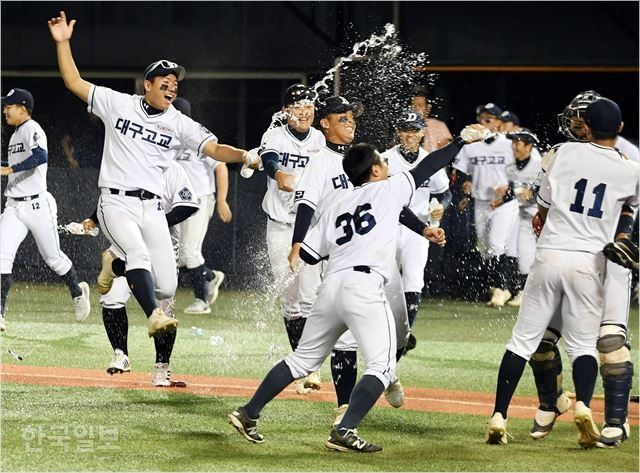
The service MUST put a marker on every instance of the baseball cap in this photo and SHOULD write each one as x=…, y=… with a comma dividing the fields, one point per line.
x=603, y=115
x=508, y=116
x=523, y=134
x=19, y=97
x=164, y=68
x=410, y=120
x=490, y=108
x=296, y=93
x=334, y=104
x=420, y=91
x=182, y=105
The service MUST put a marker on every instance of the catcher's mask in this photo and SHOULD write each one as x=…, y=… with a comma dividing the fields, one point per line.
x=574, y=110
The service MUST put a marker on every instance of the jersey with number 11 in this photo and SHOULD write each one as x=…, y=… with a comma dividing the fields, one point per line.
x=584, y=189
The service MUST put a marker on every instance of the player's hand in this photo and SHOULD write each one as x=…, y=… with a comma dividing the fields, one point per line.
x=294, y=256
x=88, y=225
x=224, y=212
x=467, y=187
x=495, y=203
x=537, y=224
x=61, y=30
x=252, y=159
x=437, y=212
x=435, y=235
x=463, y=204
x=6, y=170
x=475, y=132
x=286, y=182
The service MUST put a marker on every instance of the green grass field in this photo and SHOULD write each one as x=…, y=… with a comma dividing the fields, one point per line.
x=459, y=347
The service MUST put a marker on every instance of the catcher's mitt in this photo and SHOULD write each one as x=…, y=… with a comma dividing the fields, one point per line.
x=624, y=252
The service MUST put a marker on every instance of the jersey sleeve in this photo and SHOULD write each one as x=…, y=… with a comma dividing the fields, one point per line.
x=544, y=193
x=402, y=186
x=37, y=138
x=439, y=182
x=270, y=142
x=315, y=242
x=180, y=188
x=462, y=162
x=102, y=101
x=194, y=135
x=311, y=184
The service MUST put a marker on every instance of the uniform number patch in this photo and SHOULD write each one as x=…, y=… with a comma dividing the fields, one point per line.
x=185, y=194
x=360, y=222
x=35, y=205
x=581, y=187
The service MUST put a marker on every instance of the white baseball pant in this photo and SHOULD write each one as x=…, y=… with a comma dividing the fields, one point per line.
x=497, y=230
x=572, y=281
x=526, y=244
x=349, y=300
x=412, y=255
x=286, y=283
x=40, y=217
x=192, y=233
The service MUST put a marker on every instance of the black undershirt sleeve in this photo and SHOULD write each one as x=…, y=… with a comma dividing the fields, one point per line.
x=303, y=222
x=180, y=214
x=436, y=161
x=411, y=221
x=270, y=163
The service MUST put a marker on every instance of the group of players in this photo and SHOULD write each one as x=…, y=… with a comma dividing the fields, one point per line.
x=335, y=207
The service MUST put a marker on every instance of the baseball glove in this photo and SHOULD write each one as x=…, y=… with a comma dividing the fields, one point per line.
x=624, y=252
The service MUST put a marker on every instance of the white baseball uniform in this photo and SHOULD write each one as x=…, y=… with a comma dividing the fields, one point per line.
x=359, y=234
x=138, y=148
x=627, y=148
x=486, y=162
x=178, y=191
x=201, y=172
x=293, y=155
x=413, y=249
x=584, y=189
x=523, y=180
x=29, y=207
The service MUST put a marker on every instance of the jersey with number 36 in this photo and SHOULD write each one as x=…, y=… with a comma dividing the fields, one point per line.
x=584, y=189
x=361, y=229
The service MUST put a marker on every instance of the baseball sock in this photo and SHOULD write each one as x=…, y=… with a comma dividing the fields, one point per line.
x=116, y=324
x=413, y=305
x=141, y=285
x=294, y=330
x=208, y=273
x=273, y=384
x=71, y=280
x=492, y=271
x=5, y=285
x=501, y=273
x=198, y=282
x=511, y=368
x=364, y=396
x=512, y=275
x=585, y=372
x=118, y=267
x=344, y=370
x=164, y=345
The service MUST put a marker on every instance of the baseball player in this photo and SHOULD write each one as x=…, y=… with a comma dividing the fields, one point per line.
x=203, y=172
x=413, y=249
x=359, y=236
x=546, y=362
x=585, y=191
x=523, y=174
x=509, y=122
x=481, y=170
x=142, y=136
x=179, y=206
x=29, y=207
x=285, y=152
x=436, y=132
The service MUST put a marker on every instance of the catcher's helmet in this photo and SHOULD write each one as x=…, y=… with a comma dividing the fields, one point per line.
x=574, y=110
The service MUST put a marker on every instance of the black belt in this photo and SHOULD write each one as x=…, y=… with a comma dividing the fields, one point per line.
x=278, y=221
x=140, y=194
x=362, y=269
x=24, y=199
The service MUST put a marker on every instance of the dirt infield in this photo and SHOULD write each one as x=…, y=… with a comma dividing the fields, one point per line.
x=417, y=399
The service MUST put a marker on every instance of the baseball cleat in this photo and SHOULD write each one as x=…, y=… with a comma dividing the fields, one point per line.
x=213, y=286
x=347, y=440
x=544, y=421
x=613, y=435
x=247, y=427
x=516, y=301
x=162, y=375
x=158, y=322
x=300, y=389
x=394, y=394
x=411, y=343
x=497, y=430
x=499, y=298
x=3, y=323
x=588, y=434
x=106, y=276
x=82, y=303
x=119, y=363
x=313, y=381
x=340, y=412
x=623, y=252
x=198, y=307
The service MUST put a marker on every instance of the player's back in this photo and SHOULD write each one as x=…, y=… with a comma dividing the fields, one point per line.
x=586, y=186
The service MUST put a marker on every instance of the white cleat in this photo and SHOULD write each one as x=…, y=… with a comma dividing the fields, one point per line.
x=497, y=430
x=119, y=363
x=499, y=298
x=159, y=322
x=544, y=420
x=340, y=412
x=82, y=303
x=213, y=286
x=394, y=394
x=162, y=375
x=516, y=301
x=613, y=435
x=106, y=276
x=300, y=389
x=198, y=307
x=313, y=381
x=588, y=433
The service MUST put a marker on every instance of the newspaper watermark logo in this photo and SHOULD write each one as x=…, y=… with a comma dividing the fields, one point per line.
x=70, y=438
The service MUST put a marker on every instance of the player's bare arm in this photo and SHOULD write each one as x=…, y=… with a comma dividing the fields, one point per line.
x=294, y=256
x=222, y=186
x=227, y=154
x=61, y=32
x=6, y=170
x=286, y=182
x=435, y=235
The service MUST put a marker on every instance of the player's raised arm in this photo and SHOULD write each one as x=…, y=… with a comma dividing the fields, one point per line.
x=61, y=32
x=229, y=154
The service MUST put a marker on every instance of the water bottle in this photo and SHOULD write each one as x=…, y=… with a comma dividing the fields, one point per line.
x=94, y=231
x=246, y=171
x=434, y=204
x=216, y=340
x=197, y=331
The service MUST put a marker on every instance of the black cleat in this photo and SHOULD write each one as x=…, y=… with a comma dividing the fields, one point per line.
x=347, y=440
x=623, y=252
x=411, y=343
x=247, y=427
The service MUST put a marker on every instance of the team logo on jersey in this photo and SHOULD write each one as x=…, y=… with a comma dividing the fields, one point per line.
x=137, y=131
x=16, y=148
x=163, y=127
x=340, y=182
x=299, y=195
x=475, y=160
x=204, y=129
x=36, y=137
x=185, y=194
x=293, y=160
